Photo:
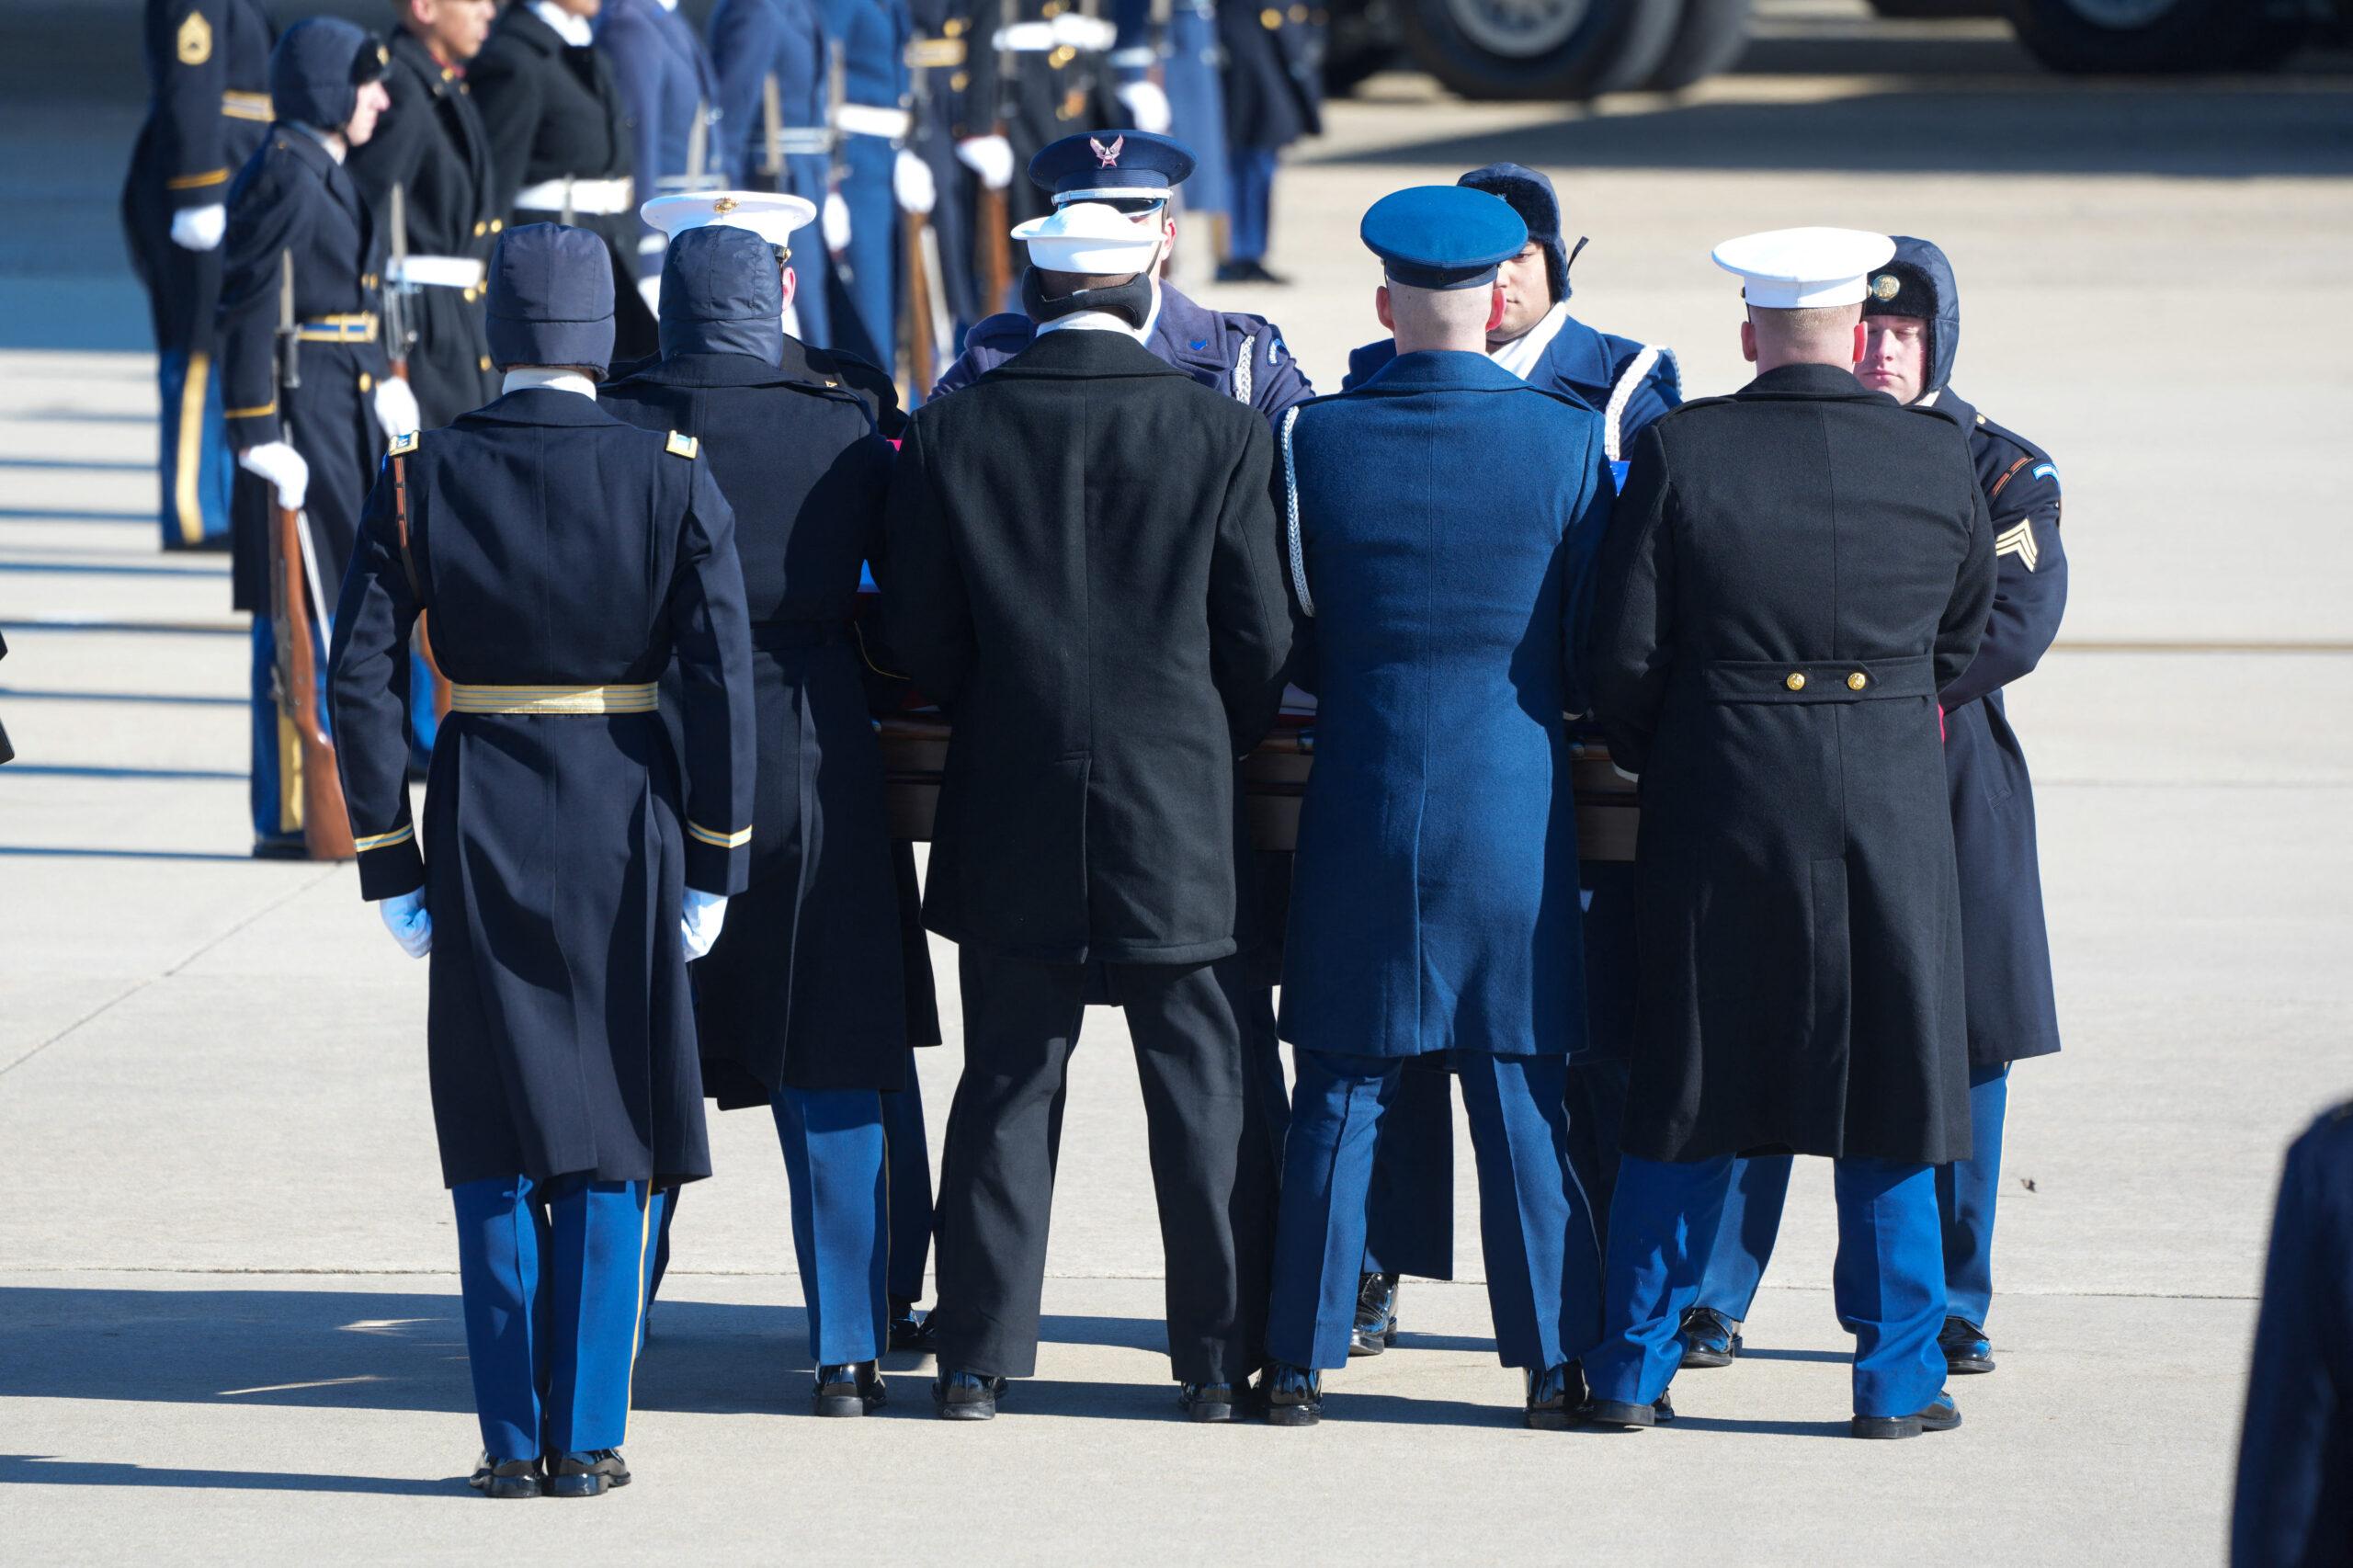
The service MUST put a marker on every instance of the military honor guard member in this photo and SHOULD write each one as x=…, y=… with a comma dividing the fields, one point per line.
x=1274, y=96
x=569, y=560
x=773, y=119
x=561, y=141
x=1435, y=903
x=1169, y=66
x=1794, y=573
x=671, y=86
x=952, y=85
x=801, y=1004
x=1054, y=78
x=1082, y=571
x=2294, y=1503
x=1912, y=318
x=877, y=174
x=208, y=108
x=1409, y=1226
x=431, y=148
x=310, y=399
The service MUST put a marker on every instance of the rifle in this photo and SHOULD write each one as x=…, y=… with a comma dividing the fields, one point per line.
x=772, y=133
x=992, y=221
x=400, y=329
x=927, y=316
x=837, y=171
x=293, y=586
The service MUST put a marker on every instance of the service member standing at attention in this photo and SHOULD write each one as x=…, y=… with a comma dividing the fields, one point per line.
x=208, y=108
x=1435, y=904
x=300, y=283
x=1083, y=572
x=667, y=80
x=1795, y=572
x=569, y=560
x=430, y=146
x=770, y=56
x=801, y=1005
x=1912, y=321
x=1274, y=96
x=560, y=141
x=879, y=173
x=1409, y=1222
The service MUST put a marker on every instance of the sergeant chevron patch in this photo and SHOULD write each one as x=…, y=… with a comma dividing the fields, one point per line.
x=2018, y=542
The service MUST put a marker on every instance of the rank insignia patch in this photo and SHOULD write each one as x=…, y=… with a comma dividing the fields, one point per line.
x=2018, y=542
x=195, y=41
x=683, y=446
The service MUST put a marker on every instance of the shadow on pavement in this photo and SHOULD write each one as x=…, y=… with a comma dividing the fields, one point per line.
x=44, y=1469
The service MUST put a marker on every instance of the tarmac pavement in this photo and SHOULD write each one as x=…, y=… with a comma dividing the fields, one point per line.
x=228, y=1317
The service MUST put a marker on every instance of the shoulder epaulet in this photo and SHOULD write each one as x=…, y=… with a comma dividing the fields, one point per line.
x=403, y=444
x=2004, y=433
x=683, y=446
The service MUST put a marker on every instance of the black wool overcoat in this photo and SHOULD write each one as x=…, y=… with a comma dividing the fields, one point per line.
x=1791, y=576
x=1082, y=570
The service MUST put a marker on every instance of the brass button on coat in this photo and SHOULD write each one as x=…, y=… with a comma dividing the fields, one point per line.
x=1857, y=681
x=366, y=380
x=1796, y=681
x=480, y=229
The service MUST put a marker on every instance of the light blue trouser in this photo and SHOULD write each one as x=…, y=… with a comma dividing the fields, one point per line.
x=553, y=1276
x=1888, y=1283
x=1535, y=1229
x=195, y=462
x=834, y=1158
x=1966, y=1192
x=871, y=264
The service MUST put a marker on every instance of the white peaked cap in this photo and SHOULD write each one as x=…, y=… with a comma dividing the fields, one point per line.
x=1090, y=236
x=768, y=214
x=1788, y=270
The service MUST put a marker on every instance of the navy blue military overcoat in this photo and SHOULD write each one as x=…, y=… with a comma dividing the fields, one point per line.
x=554, y=546
x=1434, y=903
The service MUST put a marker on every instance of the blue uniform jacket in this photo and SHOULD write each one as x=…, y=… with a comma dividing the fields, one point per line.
x=2012, y=1011
x=2294, y=1507
x=668, y=82
x=754, y=41
x=1434, y=902
x=1235, y=355
x=1630, y=384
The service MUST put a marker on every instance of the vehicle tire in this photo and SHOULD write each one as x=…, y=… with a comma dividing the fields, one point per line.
x=1519, y=49
x=1359, y=41
x=1710, y=37
x=1649, y=36
x=2100, y=37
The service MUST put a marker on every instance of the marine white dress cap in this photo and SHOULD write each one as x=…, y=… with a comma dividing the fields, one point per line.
x=768, y=214
x=1789, y=269
x=1090, y=237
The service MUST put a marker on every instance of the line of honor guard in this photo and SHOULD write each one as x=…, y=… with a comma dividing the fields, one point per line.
x=607, y=592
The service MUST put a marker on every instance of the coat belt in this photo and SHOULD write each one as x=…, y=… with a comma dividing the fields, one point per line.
x=1817, y=680
x=438, y=271
x=598, y=198
x=468, y=698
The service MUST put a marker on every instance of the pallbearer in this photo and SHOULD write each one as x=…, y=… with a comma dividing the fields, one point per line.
x=801, y=1006
x=208, y=65
x=577, y=862
x=1435, y=904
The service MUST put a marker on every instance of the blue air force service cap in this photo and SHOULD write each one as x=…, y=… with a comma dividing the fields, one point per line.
x=1442, y=236
x=550, y=298
x=1111, y=165
x=317, y=69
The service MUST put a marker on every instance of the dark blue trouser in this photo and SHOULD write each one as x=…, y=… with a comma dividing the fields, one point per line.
x=553, y=1276
x=1252, y=198
x=1535, y=1230
x=1887, y=1284
x=910, y=1164
x=195, y=462
x=1966, y=1192
x=869, y=266
x=834, y=1159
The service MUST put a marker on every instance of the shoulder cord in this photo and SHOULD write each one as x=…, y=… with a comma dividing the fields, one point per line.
x=1242, y=371
x=1637, y=371
x=1291, y=488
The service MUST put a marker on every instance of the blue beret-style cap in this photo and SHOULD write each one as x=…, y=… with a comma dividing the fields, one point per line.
x=317, y=67
x=1442, y=236
x=1097, y=165
x=1530, y=194
x=550, y=298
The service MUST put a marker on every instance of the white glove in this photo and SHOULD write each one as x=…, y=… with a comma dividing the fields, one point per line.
x=283, y=467
x=200, y=228
x=833, y=223
x=991, y=157
x=396, y=409
x=1149, y=104
x=912, y=183
x=650, y=290
x=405, y=918
x=699, y=920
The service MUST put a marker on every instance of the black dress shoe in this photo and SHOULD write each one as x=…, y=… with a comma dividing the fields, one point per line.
x=589, y=1474
x=506, y=1478
x=1294, y=1395
x=282, y=846
x=1942, y=1415
x=1965, y=1346
x=850, y=1389
x=1709, y=1338
x=909, y=1331
x=967, y=1397
x=1619, y=1414
x=1555, y=1396
x=1212, y=1401
x=1248, y=272
x=1375, y=1329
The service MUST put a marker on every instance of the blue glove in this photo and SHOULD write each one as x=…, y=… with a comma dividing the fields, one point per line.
x=411, y=926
